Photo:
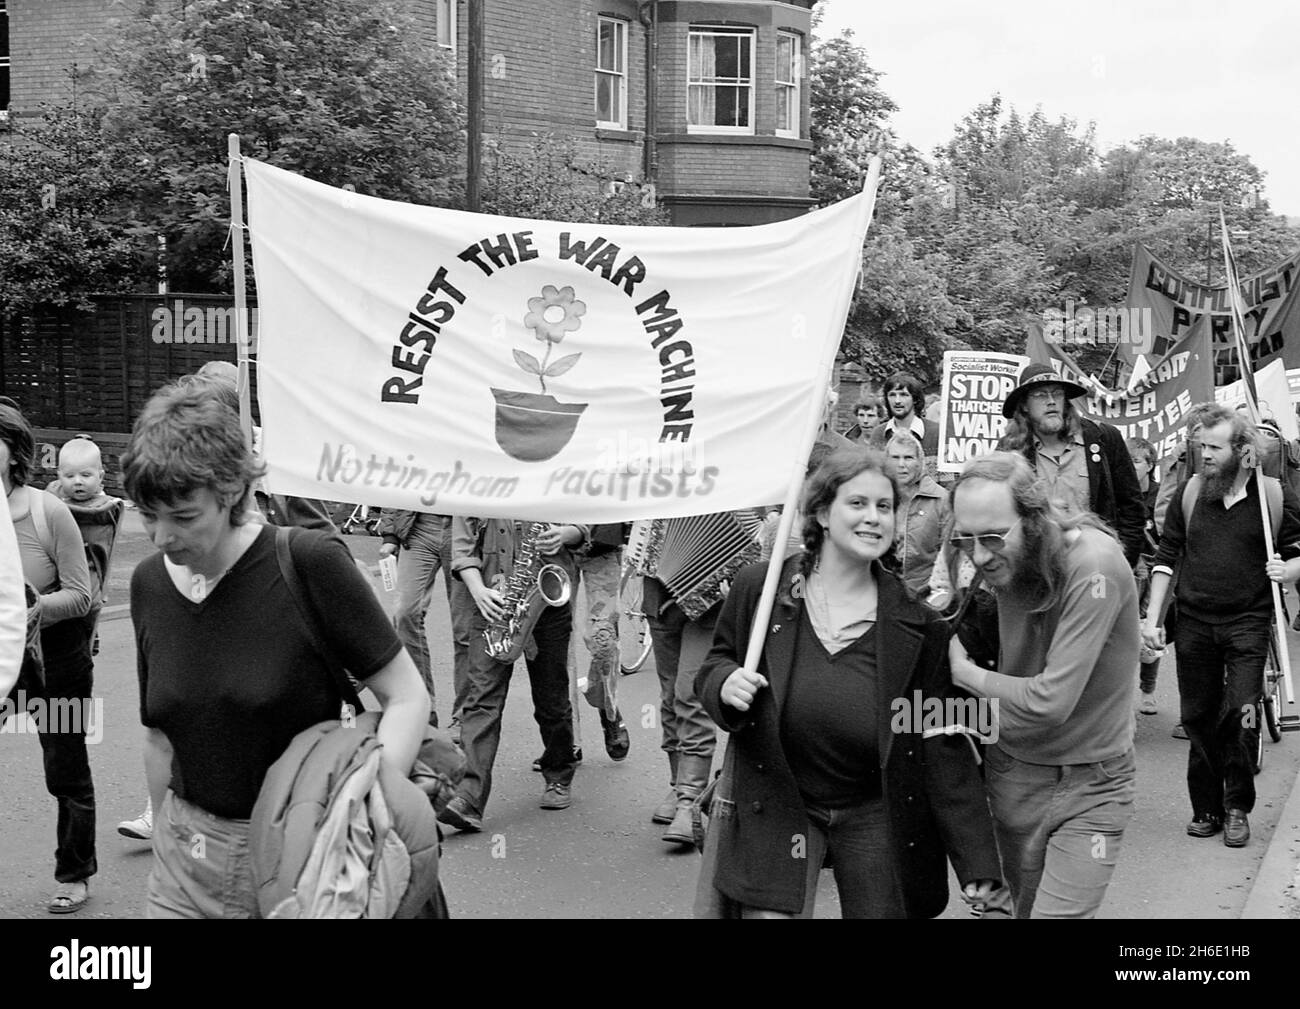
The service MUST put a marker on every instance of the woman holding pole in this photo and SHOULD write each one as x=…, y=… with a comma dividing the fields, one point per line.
x=830, y=755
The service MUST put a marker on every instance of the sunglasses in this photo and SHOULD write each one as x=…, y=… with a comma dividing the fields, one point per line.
x=993, y=542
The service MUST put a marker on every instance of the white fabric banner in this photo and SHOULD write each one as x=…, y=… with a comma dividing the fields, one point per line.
x=441, y=361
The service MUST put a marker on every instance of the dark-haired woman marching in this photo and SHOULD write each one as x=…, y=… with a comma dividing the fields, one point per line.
x=830, y=756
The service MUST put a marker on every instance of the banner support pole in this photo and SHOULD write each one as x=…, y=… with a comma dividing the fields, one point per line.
x=762, y=614
x=236, y=178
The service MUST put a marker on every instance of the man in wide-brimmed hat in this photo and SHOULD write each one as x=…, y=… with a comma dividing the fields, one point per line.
x=1085, y=464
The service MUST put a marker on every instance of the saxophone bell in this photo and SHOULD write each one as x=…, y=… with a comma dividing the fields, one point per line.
x=554, y=585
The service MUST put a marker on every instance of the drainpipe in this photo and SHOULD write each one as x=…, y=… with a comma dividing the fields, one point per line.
x=649, y=17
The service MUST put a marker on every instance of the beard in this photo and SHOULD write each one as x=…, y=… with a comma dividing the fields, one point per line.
x=1050, y=425
x=1217, y=481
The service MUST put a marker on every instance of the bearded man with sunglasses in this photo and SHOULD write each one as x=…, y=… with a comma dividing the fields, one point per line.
x=1085, y=464
x=1060, y=776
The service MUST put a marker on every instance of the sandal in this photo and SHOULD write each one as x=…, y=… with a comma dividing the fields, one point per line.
x=69, y=897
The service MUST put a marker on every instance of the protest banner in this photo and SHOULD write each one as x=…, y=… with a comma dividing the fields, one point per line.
x=1176, y=303
x=430, y=359
x=1273, y=384
x=1156, y=406
x=975, y=385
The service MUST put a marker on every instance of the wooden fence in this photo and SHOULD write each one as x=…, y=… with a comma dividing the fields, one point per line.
x=90, y=372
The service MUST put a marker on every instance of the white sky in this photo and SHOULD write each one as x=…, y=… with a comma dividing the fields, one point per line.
x=1210, y=69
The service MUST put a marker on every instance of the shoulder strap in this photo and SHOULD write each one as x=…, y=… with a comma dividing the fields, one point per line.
x=1190, y=493
x=41, y=523
x=1272, y=494
x=284, y=558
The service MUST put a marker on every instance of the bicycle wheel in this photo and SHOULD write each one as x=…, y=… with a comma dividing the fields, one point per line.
x=1259, y=737
x=633, y=631
x=1272, y=703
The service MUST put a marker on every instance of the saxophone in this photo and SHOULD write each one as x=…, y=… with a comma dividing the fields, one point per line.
x=532, y=586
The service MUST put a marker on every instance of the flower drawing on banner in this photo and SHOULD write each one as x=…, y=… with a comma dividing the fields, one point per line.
x=550, y=317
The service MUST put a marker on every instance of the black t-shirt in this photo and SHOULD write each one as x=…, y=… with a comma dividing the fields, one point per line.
x=828, y=720
x=232, y=679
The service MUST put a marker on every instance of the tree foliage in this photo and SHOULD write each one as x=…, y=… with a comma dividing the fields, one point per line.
x=58, y=194
x=547, y=179
x=1014, y=215
x=345, y=92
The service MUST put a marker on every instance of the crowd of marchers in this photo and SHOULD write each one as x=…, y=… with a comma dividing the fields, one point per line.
x=1041, y=585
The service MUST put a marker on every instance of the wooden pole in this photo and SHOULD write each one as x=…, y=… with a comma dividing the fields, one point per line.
x=757, y=637
x=1252, y=405
x=474, y=103
x=241, y=294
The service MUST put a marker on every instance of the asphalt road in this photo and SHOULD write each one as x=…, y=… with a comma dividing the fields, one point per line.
x=602, y=857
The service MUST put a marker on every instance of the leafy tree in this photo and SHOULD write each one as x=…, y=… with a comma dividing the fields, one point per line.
x=902, y=313
x=849, y=116
x=345, y=92
x=548, y=179
x=58, y=190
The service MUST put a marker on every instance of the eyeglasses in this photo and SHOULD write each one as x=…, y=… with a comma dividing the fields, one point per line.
x=1043, y=395
x=993, y=542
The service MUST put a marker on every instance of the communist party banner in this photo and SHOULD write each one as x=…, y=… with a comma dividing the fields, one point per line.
x=975, y=385
x=1176, y=302
x=1156, y=406
x=435, y=360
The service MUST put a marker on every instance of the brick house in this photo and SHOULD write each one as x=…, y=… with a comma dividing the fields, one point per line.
x=722, y=84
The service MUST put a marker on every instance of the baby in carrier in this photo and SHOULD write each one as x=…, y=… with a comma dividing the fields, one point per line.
x=81, y=487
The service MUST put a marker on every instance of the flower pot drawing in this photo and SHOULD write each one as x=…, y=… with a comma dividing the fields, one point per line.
x=534, y=427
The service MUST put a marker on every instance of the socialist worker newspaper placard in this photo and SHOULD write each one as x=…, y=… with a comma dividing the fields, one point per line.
x=975, y=385
x=429, y=359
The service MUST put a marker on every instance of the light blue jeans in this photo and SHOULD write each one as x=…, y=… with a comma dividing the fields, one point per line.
x=201, y=865
x=1059, y=829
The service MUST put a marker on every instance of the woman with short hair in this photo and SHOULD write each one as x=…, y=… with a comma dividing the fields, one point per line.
x=229, y=672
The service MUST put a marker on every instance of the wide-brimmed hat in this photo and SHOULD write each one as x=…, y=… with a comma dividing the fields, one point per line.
x=1033, y=376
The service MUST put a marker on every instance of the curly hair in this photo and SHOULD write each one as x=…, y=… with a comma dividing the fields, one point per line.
x=186, y=439
x=837, y=469
x=17, y=435
x=1043, y=525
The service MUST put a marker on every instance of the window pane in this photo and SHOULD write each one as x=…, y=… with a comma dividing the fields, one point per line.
x=784, y=107
x=728, y=58
x=742, y=49
x=733, y=106
x=446, y=14
x=785, y=58
x=605, y=46
x=609, y=103
x=695, y=58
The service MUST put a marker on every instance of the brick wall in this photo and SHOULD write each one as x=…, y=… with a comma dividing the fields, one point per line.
x=45, y=38
x=540, y=58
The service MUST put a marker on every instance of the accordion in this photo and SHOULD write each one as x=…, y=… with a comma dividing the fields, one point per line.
x=693, y=556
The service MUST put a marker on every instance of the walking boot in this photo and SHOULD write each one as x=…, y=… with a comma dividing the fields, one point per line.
x=692, y=779
x=666, y=810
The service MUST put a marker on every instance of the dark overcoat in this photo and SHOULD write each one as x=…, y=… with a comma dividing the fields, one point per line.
x=932, y=788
